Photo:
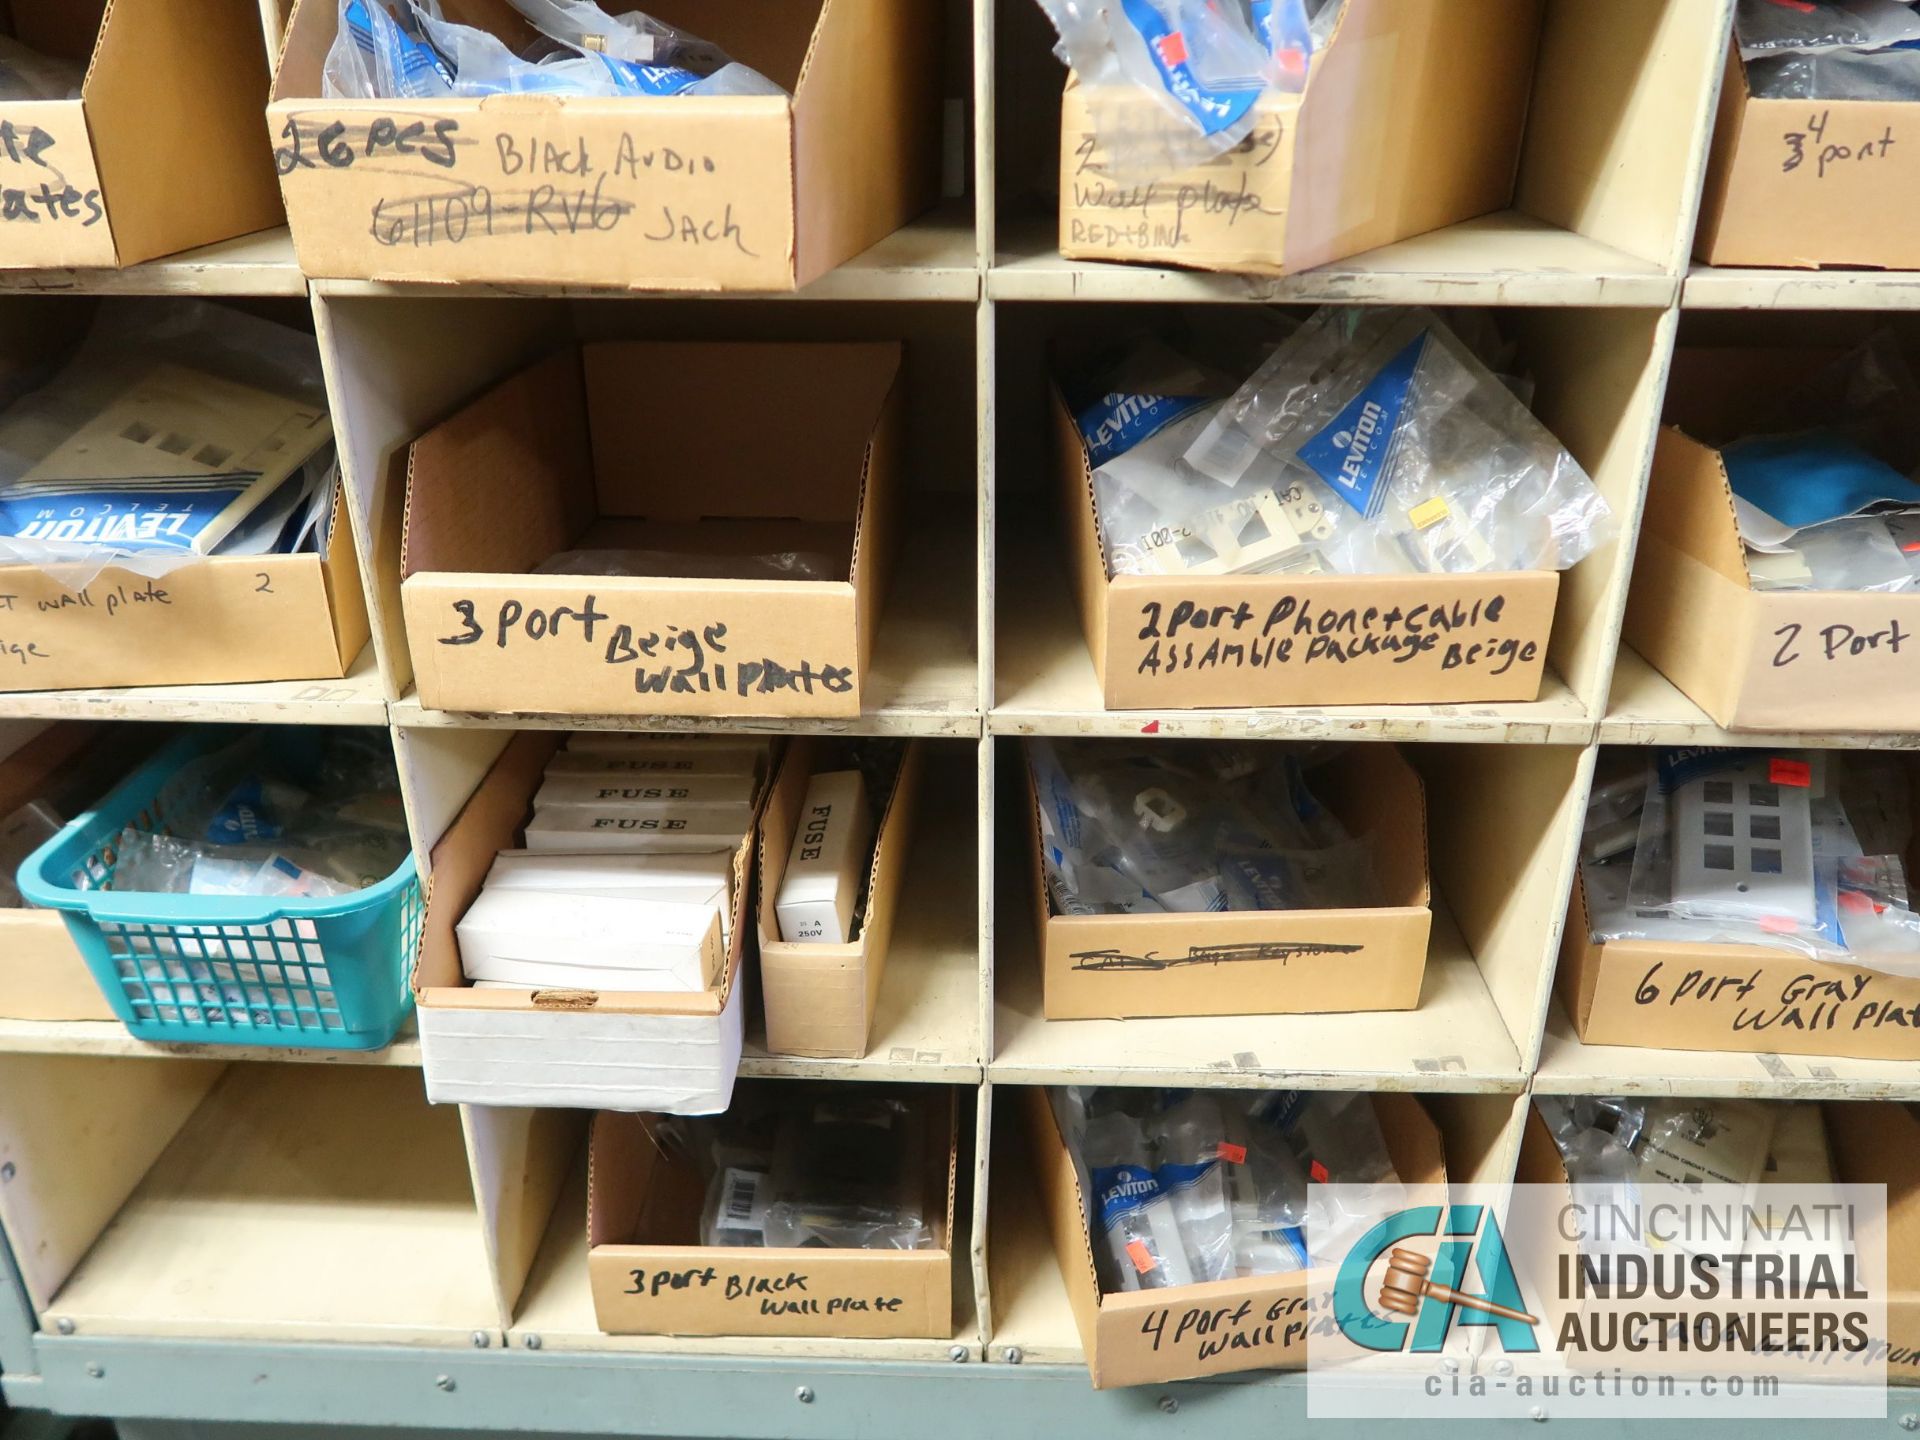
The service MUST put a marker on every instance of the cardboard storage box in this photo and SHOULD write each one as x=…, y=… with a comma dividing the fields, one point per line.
x=820, y=998
x=680, y=193
x=1810, y=183
x=1258, y=1323
x=221, y=620
x=1175, y=642
x=1411, y=120
x=162, y=150
x=586, y=1049
x=1753, y=659
x=1870, y=1143
x=1666, y=995
x=1260, y=962
x=721, y=449
x=42, y=976
x=651, y=1276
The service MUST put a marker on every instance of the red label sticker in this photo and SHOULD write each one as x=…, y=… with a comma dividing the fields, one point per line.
x=1797, y=773
x=1152, y=727
x=1142, y=1257
x=1172, y=48
x=1318, y=1172
x=1779, y=924
x=1233, y=1154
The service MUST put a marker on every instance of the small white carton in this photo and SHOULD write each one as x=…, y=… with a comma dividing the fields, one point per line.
x=830, y=852
x=590, y=942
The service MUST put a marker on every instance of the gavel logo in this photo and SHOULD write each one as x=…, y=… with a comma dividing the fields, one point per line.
x=1406, y=1284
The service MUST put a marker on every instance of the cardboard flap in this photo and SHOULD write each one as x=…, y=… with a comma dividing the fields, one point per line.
x=507, y=482
x=1413, y=1140
x=1690, y=505
x=177, y=90
x=460, y=860
x=1413, y=61
x=1086, y=560
x=863, y=125
x=620, y=1162
x=1065, y=1208
x=1380, y=798
x=729, y=413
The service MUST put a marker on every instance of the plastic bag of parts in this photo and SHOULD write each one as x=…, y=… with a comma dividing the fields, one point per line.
x=1190, y=828
x=1137, y=416
x=1429, y=461
x=1771, y=27
x=242, y=823
x=816, y=1171
x=408, y=49
x=1198, y=61
x=652, y=57
x=28, y=75
x=1755, y=848
x=1856, y=552
x=781, y=565
x=1194, y=1186
x=1879, y=75
x=173, y=431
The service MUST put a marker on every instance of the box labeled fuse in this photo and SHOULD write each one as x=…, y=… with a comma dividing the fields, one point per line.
x=830, y=849
x=665, y=831
x=731, y=795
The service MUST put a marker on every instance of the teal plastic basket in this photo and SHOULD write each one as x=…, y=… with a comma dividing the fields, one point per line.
x=228, y=969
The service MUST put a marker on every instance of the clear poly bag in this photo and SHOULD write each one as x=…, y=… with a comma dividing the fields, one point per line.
x=1198, y=62
x=1337, y=1139
x=378, y=53
x=1438, y=466
x=775, y=565
x=1191, y=1136
x=1267, y=1192
x=1859, y=552
x=850, y=1174
x=1771, y=27
x=643, y=55
x=1156, y=828
x=1139, y=1245
x=1879, y=75
x=1157, y=516
x=157, y=439
x=28, y=75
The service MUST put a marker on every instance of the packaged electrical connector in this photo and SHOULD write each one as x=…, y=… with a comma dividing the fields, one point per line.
x=1436, y=464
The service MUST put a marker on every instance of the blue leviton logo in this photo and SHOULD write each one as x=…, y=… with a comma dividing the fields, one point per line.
x=1115, y=423
x=1420, y=1297
x=1354, y=451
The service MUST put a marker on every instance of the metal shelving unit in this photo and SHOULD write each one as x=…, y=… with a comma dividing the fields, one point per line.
x=297, y=1238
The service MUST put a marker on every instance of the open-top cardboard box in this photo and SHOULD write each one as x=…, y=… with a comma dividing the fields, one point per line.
x=820, y=998
x=1870, y=1143
x=651, y=1276
x=585, y=1049
x=162, y=150
x=1665, y=995
x=678, y=193
x=226, y=619
x=1189, y=642
x=1411, y=119
x=1257, y=1323
x=646, y=446
x=1264, y=962
x=1809, y=183
x=1753, y=659
x=42, y=976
